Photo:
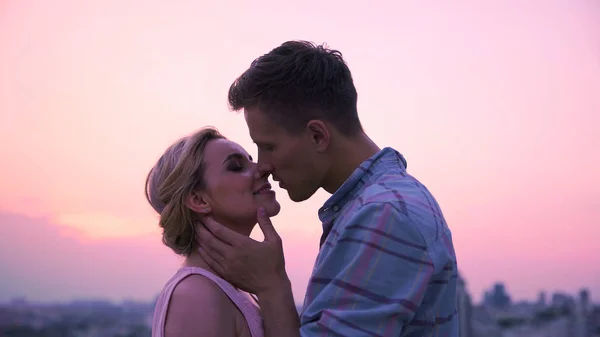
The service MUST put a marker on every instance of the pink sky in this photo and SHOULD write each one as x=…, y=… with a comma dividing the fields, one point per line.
x=495, y=107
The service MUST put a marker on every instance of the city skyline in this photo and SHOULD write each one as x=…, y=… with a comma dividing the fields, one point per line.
x=547, y=298
x=494, y=106
x=498, y=316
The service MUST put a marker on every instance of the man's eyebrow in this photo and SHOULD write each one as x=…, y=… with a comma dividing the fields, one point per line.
x=235, y=155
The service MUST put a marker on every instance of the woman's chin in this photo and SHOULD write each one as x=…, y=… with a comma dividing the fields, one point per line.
x=272, y=208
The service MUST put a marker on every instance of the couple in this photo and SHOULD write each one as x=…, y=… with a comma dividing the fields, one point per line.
x=386, y=264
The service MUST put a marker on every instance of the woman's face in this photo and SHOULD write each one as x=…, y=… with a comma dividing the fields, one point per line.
x=233, y=191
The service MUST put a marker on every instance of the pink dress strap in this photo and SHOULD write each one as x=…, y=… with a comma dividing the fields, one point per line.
x=250, y=311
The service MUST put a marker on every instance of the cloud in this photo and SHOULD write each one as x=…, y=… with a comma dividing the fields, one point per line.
x=44, y=261
x=102, y=225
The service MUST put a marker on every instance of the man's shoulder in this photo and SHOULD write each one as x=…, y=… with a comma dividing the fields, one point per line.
x=386, y=181
x=400, y=189
x=412, y=202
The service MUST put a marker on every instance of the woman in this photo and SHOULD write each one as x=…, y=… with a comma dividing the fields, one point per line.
x=200, y=175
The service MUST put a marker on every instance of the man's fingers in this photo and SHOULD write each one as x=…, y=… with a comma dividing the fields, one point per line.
x=213, y=263
x=223, y=233
x=207, y=240
x=214, y=254
x=266, y=226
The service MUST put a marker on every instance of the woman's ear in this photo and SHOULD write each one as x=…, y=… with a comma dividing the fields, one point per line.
x=197, y=203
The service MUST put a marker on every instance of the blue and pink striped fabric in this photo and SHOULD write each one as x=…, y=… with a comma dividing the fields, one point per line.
x=386, y=266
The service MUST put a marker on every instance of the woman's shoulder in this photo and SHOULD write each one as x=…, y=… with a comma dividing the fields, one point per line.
x=199, y=289
x=200, y=292
x=199, y=304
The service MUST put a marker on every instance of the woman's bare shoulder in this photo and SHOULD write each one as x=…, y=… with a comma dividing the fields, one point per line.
x=201, y=288
x=198, y=307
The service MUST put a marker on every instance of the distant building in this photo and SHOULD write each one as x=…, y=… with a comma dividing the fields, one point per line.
x=595, y=321
x=465, y=310
x=497, y=298
x=584, y=299
x=484, y=323
x=542, y=302
x=561, y=300
x=583, y=318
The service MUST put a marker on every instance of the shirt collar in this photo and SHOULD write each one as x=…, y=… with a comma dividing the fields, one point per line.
x=360, y=176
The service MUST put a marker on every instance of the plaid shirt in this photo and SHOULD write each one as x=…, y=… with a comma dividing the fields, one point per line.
x=387, y=265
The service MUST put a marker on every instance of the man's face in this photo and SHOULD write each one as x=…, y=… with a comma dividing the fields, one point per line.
x=291, y=159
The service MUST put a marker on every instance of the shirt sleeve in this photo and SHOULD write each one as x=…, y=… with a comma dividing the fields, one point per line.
x=373, y=278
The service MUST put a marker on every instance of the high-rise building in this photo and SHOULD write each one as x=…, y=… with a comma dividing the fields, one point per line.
x=542, y=302
x=562, y=300
x=497, y=297
x=584, y=299
x=465, y=310
x=583, y=315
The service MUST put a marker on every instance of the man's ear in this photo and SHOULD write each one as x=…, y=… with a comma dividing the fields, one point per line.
x=197, y=203
x=319, y=134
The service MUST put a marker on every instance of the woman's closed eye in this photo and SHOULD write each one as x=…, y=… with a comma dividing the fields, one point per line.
x=236, y=166
x=237, y=162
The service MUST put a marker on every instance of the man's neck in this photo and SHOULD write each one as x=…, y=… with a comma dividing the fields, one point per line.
x=348, y=154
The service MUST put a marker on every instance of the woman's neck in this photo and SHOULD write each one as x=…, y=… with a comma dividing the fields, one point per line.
x=241, y=226
x=196, y=260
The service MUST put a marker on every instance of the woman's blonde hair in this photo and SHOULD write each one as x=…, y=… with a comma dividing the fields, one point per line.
x=177, y=173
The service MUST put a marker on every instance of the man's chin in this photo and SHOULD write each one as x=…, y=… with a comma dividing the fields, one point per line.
x=298, y=197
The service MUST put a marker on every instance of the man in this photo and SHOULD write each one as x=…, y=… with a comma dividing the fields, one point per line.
x=386, y=265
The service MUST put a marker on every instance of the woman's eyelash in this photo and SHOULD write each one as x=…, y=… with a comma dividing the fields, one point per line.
x=236, y=167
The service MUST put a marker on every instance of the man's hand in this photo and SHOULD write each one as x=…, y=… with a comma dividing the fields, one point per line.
x=252, y=266
x=256, y=267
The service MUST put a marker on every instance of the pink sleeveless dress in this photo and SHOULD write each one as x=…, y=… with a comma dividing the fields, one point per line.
x=250, y=311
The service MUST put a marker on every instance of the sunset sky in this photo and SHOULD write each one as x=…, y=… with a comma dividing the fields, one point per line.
x=495, y=105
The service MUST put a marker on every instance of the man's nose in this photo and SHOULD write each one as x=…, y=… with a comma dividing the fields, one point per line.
x=263, y=169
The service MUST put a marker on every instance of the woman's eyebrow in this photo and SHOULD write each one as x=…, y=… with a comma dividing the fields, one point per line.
x=235, y=155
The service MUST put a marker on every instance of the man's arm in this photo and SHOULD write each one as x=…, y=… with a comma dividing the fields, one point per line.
x=257, y=267
x=372, y=279
x=278, y=310
x=373, y=276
